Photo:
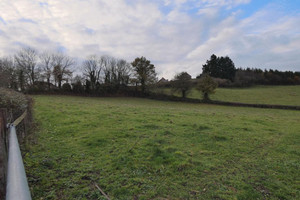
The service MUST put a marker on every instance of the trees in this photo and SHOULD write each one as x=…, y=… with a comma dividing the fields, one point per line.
x=116, y=71
x=144, y=71
x=8, y=73
x=77, y=84
x=182, y=83
x=46, y=63
x=207, y=86
x=110, y=70
x=92, y=68
x=219, y=67
x=123, y=71
x=3, y=73
x=61, y=67
x=26, y=60
x=11, y=74
x=248, y=77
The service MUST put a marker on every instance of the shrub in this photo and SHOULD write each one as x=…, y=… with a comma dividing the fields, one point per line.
x=66, y=87
x=78, y=87
x=13, y=101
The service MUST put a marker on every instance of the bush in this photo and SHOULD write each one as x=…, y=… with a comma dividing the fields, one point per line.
x=78, y=87
x=14, y=101
x=15, y=104
x=66, y=87
x=35, y=89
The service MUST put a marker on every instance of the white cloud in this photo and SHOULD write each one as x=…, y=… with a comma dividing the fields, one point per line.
x=174, y=40
x=175, y=16
x=209, y=12
x=222, y=3
x=258, y=41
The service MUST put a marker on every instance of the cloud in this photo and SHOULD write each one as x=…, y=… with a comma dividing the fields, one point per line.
x=260, y=41
x=209, y=12
x=223, y=3
x=175, y=35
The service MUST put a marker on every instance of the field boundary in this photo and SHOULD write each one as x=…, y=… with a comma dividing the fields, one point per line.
x=285, y=107
x=164, y=97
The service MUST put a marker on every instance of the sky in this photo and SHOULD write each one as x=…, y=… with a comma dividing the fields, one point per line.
x=175, y=35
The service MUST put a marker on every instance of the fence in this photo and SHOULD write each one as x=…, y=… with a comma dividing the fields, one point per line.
x=12, y=173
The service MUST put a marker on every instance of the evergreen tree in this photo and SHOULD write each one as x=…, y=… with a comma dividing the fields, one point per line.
x=219, y=67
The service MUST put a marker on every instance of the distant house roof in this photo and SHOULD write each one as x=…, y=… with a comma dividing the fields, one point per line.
x=163, y=80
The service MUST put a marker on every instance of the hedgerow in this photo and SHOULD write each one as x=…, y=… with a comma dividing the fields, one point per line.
x=15, y=102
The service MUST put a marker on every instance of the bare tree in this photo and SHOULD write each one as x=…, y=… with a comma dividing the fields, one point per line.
x=109, y=68
x=61, y=67
x=123, y=72
x=46, y=63
x=3, y=74
x=26, y=60
x=92, y=67
x=116, y=71
x=8, y=73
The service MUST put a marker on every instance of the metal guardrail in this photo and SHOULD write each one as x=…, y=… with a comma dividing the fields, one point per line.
x=17, y=185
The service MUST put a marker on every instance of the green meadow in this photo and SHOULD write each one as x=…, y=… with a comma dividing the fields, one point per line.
x=145, y=149
x=280, y=95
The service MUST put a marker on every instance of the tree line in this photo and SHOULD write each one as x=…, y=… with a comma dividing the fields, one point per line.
x=221, y=71
x=224, y=68
x=30, y=71
x=254, y=76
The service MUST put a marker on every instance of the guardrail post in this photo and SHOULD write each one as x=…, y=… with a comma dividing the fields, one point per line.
x=17, y=185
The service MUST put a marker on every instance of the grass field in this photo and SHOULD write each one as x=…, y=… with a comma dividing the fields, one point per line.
x=145, y=149
x=280, y=95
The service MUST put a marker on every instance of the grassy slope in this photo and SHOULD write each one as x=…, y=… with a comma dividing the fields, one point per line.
x=281, y=95
x=145, y=149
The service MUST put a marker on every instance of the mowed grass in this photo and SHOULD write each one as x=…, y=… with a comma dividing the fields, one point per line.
x=278, y=95
x=144, y=149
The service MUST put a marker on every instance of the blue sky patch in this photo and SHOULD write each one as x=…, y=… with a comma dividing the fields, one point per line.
x=2, y=20
x=61, y=49
x=43, y=4
x=89, y=30
x=26, y=20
